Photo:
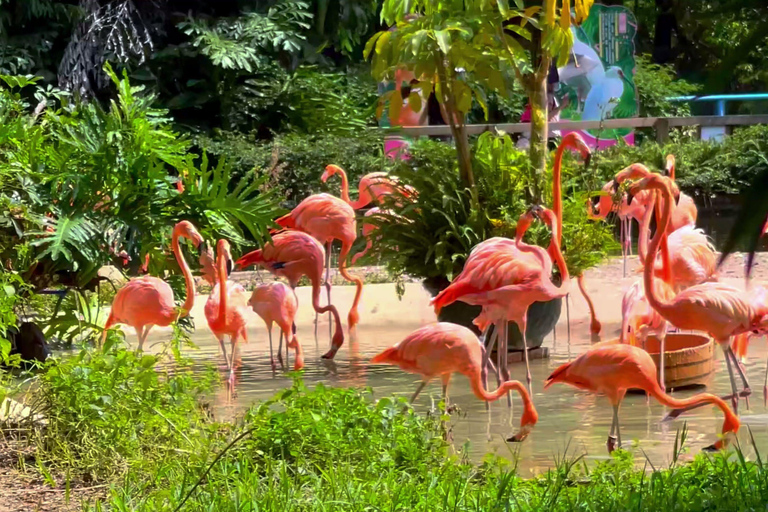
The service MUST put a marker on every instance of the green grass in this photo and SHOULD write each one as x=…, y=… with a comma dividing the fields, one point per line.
x=140, y=425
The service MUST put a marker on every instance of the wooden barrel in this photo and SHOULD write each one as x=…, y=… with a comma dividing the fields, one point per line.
x=689, y=359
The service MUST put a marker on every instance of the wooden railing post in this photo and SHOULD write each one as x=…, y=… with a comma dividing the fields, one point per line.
x=662, y=130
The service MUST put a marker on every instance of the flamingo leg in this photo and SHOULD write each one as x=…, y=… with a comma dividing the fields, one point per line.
x=499, y=349
x=746, y=391
x=734, y=396
x=614, y=439
x=629, y=235
x=328, y=249
x=418, y=390
x=224, y=350
x=271, y=353
x=446, y=380
x=765, y=384
x=568, y=315
x=662, y=339
x=504, y=347
x=525, y=355
x=232, y=360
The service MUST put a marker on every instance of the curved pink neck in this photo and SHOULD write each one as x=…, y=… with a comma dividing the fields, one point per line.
x=344, y=187
x=221, y=270
x=653, y=250
x=189, y=282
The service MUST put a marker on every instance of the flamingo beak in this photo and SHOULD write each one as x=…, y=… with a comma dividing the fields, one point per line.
x=521, y=435
x=229, y=267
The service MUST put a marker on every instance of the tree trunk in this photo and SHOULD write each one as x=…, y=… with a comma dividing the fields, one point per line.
x=458, y=129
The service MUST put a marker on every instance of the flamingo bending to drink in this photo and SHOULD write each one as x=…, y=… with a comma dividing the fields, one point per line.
x=611, y=369
x=293, y=254
x=442, y=349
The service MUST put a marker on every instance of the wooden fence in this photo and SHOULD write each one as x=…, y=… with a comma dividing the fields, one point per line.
x=662, y=125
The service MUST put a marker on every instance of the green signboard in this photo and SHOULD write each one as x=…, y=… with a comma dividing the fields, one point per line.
x=598, y=79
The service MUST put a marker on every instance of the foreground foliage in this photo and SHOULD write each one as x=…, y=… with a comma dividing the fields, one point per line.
x=137, y=423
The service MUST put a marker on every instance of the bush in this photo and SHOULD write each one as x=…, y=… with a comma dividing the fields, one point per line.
x=704, y=168
x=302, y=158
x=112, y=411
x=431, y=237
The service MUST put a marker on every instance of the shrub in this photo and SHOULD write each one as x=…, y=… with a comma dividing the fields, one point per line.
x=432, y=236
x=301, y=158
x=704, y=168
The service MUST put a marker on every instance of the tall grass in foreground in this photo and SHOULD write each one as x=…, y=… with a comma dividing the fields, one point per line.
x=140, y=426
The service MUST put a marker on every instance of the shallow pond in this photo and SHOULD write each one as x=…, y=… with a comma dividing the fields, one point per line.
x=568, y=418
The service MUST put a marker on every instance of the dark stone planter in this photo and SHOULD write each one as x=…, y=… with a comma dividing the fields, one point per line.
x=542, y=317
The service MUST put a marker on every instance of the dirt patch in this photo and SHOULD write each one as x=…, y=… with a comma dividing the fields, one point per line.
x=28, y=492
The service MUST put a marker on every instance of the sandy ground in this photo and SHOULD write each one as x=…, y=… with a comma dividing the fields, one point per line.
x=379, y=307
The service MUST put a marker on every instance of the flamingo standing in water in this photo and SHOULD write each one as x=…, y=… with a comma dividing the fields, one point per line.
x=147, y=300
x=277, y=303
x=611, y=369
x=225, y=309
x=718, y=309
x=442, y=349
x=293, y=254
x=326, y=218
x=506, y=277
x=571, y=140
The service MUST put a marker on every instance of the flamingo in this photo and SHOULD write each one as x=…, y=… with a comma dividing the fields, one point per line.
x=293, y=254
x=506, y=277
x=571, y=140
x=326, y=218
x=611, y=369
x=225, y=309
x=147, y=300
x=638, y=318
x=685, y=212
x=373, y=187
x=718, y=309
x=443, y=348
x=277, y=303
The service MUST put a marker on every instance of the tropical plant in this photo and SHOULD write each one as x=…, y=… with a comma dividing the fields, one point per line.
x=431, y=236
x=297, y=160
x=80, y=183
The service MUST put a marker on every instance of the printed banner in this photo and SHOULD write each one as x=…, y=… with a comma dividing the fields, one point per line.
x=598, y=79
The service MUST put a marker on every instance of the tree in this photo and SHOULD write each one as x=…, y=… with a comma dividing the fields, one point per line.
x=461, y=50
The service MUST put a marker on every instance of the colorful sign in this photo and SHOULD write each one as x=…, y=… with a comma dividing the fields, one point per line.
x=396, y=146
x=598, y=79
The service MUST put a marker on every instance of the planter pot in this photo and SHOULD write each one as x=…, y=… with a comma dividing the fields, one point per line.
x=542, y=317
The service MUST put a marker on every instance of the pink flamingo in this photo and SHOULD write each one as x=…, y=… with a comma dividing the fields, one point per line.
x=226, y=307
x=373, y=187
x=277, y=303
x=443, y=348
x=638, y=318
x=147, y=300
x=611, y=369
x=505, y=278
x=293, y=254
x=685, y=212
x=326, y=218
x=718, y=309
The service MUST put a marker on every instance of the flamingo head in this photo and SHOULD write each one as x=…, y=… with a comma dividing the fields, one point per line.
x=669, y=166
x=575, y=141
x=525, y=221
x=330, y=170
x=187, y=230
x=223, y=251
x=632, y=172
x=207, y=262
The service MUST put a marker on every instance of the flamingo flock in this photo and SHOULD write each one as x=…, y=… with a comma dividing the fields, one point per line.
x=679, y=289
